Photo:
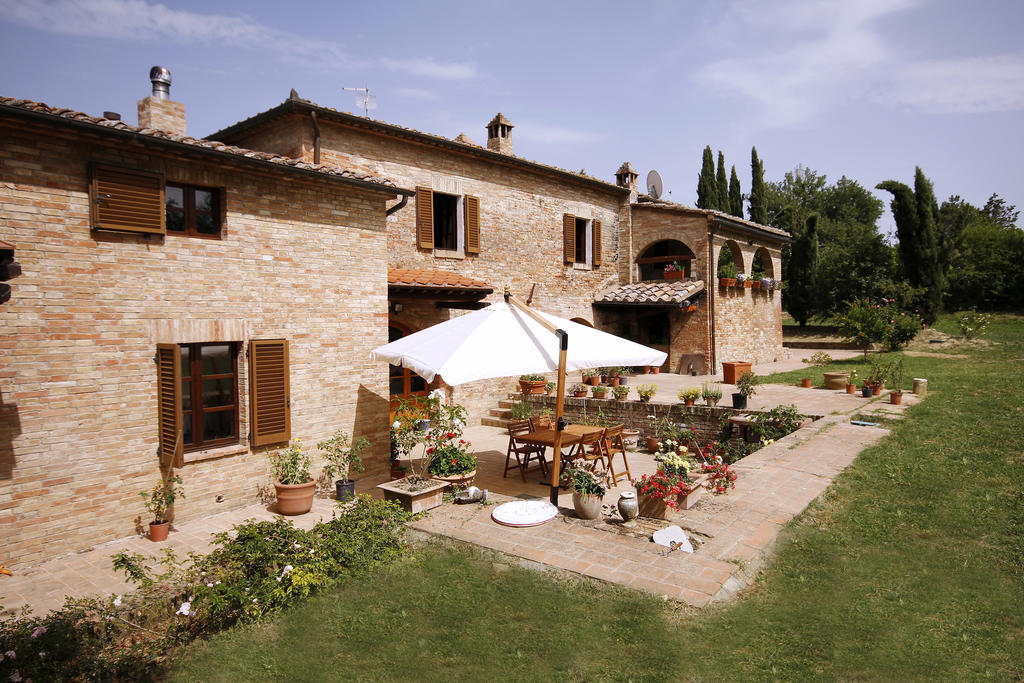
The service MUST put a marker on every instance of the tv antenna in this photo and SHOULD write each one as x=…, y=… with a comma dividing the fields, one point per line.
x=364, y=100
x=654, y=184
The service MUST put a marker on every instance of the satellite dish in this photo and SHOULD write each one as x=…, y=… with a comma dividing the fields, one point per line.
x=654, y=184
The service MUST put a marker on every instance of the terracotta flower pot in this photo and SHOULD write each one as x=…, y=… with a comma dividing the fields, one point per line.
x=895, y=397
x=531, y=386
x=805, y=382
x=463, y=481
x=587, y=506
x=295, y=499
x=688, y=401
x=851, y=388
x=579, y=394
x=876, y=390
x=655, y=369
x=673, y=275
x=158, y=531
x=653, y=443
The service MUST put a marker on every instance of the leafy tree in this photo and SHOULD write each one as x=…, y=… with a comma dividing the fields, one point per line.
x=722, y=185
x=985, y=272
x=735, y=195
x=801, y=291
x=707, y=185
x=917, y=215
x=1000, y=212
x=758, y=208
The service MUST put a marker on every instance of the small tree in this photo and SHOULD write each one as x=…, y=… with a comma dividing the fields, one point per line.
x=722, y=185
x=802, y=293
x=735, y=195
x=864, y=323
x=758, y=200
x=707, y=185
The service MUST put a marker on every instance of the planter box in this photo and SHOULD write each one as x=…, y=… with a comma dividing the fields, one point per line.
x=673, y=274
x=426, y=498
x=652, y=507
x=532, y=386
x=731, y=372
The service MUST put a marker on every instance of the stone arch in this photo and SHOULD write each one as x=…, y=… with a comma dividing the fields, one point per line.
x=761, y=265
x=729, y=254
x=652, y=259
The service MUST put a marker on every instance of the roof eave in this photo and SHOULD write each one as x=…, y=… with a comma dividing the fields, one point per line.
x=750, y=229
x=198, y=149
x=292, y=105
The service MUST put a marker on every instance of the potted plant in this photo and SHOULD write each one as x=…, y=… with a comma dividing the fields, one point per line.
x=591, y=377
x=403, y=440
x=747, y=387
x=673, y=271
x=877, y=376
x=419, y=491
x=622, y=375
x=588, y=488
x=578, y=390
x=896, y=395
x=727, y=275
x=620, y=392
x=599, y=390
x=453, y=463
x=711, y=393
x=689, y=395
x=741, y=279
x=343, y=457
x=159, y=500
x=521, y=410
x=294, y=486
x=646, y=392
x=550, y=387
x=660, y=493
x=851, y=382
x=532, y=384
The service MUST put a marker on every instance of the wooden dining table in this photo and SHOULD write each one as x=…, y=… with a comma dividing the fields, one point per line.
x=571, y=436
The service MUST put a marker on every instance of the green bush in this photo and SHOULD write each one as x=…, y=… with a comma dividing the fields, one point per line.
x=258, y=569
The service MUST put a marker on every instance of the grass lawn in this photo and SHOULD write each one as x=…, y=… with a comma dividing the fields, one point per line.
x=910, y=566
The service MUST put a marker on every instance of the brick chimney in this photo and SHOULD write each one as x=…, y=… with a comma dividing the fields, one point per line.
x=626, y=177
x=499, y=134
x=158, y=111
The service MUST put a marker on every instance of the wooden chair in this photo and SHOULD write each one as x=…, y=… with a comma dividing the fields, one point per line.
x=518, y=428
x=612, y=444
x=591, y=448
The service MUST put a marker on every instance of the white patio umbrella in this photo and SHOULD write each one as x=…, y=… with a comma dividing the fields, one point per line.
x=509, y=339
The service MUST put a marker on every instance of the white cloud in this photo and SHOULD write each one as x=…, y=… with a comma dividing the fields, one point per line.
x=417, y=94
x=539, y=132
x=138, y=20
x=953, y=86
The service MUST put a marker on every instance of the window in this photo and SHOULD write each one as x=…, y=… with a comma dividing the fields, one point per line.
x=126, y=200
x=447, y=222
x=193, y=211
x=197, y=396
x=403, y=382
x=581, y=240
x=209, y=396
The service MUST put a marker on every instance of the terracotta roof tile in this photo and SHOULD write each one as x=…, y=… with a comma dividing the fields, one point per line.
x=647, y=200
x=434, y=279
x=81, y=117
x=667, y=292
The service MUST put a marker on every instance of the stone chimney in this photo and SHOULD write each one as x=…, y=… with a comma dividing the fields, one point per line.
x=158, y=111
x=626, y=177
x=499, y=135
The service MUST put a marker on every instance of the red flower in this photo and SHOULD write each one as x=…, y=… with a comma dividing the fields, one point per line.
x=453, y=461
x=430, y=450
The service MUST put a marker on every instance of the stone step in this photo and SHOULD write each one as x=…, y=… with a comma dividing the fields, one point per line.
x=500, y=412
x=494, y=422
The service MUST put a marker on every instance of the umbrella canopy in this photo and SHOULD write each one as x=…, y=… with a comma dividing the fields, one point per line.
x=502, y=341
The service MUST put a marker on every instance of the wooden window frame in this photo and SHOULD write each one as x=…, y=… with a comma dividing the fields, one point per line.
x=194, y=375
x=467, y=241
x=189, y=210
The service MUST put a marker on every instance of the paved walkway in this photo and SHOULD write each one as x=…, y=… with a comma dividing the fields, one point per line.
x=734, y=532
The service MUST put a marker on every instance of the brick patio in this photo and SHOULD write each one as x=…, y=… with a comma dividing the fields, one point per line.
x=734, y=533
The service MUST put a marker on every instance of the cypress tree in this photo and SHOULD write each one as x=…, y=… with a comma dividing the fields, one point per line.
x=917, y=214
x=758, y=206
x=801, y=290
x=735, y=195
x=722, y=184
x=707, y=186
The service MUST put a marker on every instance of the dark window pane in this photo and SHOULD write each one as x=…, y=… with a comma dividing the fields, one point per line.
x=216, y=359
x=445, y=221
x=174, y=197
x=176, y=221
x=186, y=394
x=186, y=429
x=417, y=383
x=204, y=201
x=218, y=425
x=206, y=224
x=581, y=240
x=397, y=386
x=186, y=355
x=218, y=392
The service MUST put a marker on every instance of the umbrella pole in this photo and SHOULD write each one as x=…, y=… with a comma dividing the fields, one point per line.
x=563, y=349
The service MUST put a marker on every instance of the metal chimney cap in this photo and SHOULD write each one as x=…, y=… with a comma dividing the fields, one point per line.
x=161, y=79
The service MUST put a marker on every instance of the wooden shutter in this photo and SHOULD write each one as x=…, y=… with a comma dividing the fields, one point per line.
x=472, y=210
x=126, y=200
x=168, y=389
x=596, y=242
x=425, y=217
x=270, y=398
x=569, y=237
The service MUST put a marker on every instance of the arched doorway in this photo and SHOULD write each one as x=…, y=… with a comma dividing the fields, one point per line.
x=402, y=382
x=730, y=260
x=653, y=259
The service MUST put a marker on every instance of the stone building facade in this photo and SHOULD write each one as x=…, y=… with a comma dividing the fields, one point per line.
x=265, y=259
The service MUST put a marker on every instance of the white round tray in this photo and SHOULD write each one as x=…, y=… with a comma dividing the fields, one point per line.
x=524, y=513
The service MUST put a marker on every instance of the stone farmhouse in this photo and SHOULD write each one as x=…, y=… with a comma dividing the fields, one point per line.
x=192, y=303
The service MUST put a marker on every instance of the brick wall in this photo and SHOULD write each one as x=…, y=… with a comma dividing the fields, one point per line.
x=78, y=416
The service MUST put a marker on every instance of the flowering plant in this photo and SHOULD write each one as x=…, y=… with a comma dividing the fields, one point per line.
x=646, y=392
x=673, y=267
x=720, y=477
x=161, y=497
x=452, y=459
x=673, y=463
x=689, y=394
x=973, y=324
x=740, y=278
x=291, y=465
x=664, y=486
x=445, y=436
x=576, y=388
x=342, y=455
x=584, y=478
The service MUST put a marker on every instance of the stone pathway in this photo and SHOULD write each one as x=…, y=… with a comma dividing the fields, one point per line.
x=735, y=532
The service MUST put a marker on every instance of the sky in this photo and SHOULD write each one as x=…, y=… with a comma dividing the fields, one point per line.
x=868, y=89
